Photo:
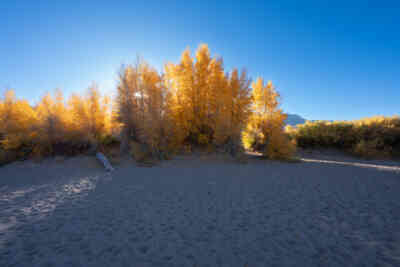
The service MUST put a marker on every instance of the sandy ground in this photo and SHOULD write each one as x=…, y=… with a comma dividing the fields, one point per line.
x=195, y=212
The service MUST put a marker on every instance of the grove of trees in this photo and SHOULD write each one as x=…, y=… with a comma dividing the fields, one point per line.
x=194, y=104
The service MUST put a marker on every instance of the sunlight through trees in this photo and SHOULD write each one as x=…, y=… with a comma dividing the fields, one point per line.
x=193, y=104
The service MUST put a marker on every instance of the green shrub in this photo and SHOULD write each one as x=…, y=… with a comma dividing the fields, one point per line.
x=370, y=137
x=370, y=149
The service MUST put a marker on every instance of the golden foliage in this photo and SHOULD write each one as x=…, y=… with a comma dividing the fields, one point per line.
x=52, y=126
x=17, y=120
x=194, y=104
x=206, y=105
x=265, y=129
x=90, y=115
x=141, y=106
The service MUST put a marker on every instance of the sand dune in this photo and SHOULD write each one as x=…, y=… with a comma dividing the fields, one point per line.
x=189, y=211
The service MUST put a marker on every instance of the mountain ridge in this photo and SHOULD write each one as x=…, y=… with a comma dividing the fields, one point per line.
x=294, y=119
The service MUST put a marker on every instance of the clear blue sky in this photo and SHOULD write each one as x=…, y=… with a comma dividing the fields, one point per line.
x=329, y=59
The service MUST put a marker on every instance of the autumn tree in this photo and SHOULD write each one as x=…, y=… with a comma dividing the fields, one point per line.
x=127, y=105
x=154, y=125
x=206, y=106
x=265, y=129
x=17, y=120
x=53, y=120
x=141, y=106
x=78, y=109
x=182, y=101
x=234, y=108
x=91, y=115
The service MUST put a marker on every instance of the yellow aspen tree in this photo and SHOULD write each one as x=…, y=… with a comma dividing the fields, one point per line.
x=97, y=113
x=177, y=124
x=108, y=120
x=181, y=101
x=153, y=101
x=141, y=105
x=127, y=108
x=47, y=125
x=239, y=102
x=17, y=120
x=54, y=122
x=234, y=101
x=218, y=98
x=265, y=129
x=90, y=115
x=205, y=105
x=189, y=86
x=184, y=75
x=79, y=112
x=202, y=124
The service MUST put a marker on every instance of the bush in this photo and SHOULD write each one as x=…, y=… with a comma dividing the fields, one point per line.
x=280, y=147
x=369, y=137
x=7, y=157
x=370, y=149
x=140, y=152
x=268, y=137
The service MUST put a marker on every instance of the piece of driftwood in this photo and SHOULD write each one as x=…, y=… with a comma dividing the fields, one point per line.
x=103, y=159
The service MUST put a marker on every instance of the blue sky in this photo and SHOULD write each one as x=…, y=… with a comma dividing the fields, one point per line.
x=328, y=59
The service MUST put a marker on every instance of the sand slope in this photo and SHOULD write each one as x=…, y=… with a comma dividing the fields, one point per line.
x=188, y=211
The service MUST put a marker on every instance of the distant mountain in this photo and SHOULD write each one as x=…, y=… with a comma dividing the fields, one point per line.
x=294, y=119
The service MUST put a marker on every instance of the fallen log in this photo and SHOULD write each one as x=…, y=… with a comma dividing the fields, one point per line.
x=103, y=159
